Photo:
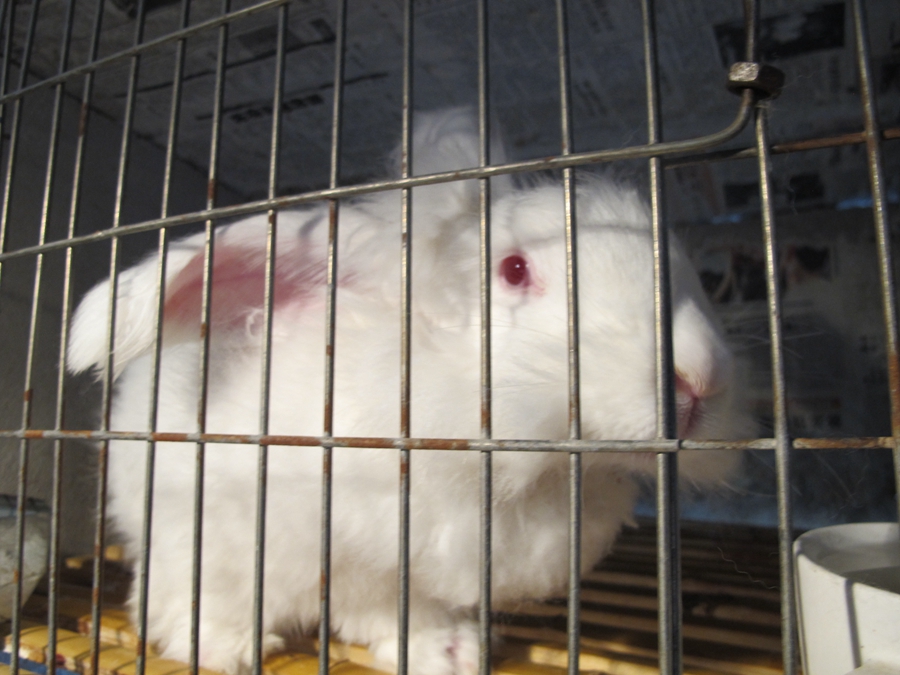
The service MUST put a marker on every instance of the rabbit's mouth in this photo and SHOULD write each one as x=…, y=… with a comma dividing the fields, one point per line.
x=690, y=415
x=690, y=406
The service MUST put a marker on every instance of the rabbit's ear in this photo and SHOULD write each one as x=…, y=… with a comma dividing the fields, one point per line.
x=238, y=284
x=136, y=309
x=448, y=140
x=237, y=294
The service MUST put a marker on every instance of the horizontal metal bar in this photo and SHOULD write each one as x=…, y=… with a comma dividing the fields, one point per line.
x=353, y=442
x=583, y=445
x=137, y=49
x=799, y=145
x=579, y=159
x=547, y=163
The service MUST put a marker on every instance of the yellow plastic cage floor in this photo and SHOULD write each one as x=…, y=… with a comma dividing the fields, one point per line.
x=730, y=597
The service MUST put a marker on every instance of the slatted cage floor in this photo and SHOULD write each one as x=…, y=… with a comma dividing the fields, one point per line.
x=730, y=597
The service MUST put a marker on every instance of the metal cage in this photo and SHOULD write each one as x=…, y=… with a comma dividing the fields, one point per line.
x=753, y=81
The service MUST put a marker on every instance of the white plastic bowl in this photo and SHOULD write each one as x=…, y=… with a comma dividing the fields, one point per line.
x=848, y=592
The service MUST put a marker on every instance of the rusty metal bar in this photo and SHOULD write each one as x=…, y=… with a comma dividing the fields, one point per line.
x=266, y=375
x=658, y=445
x=11, y=160
x=143, y=580
x=785, y=147
x=204, y=344
x=108, y=370
x=56, y=490
x=74, y=210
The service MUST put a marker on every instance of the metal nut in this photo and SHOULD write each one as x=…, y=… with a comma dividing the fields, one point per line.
x=761, y=77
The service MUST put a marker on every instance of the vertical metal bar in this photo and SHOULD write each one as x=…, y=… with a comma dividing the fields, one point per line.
x=4, y=5
x=484, y=210
x=570, y=223
x=263, y=458
x=84, y=113
x=330, y=318
x=575, y=473
x=106, y=403
x=668, y=544
x=218, y=97
x=11, y=161
x=24, y=445
x=143, y=581
x=22, y=477
x=668, y=564
x=277, y=98
x=880, y=216
x=268, y=298
x=666, y=420
x=779, y=391
x=751, y=28
x=573, y=627
x=56, y=490
x=337, y=103
x=5, y=76
x=74, y=209
x=10, y=19
x=779, y=401
x=205, y=309
x=174, y=111
x=406, y=253
x=128, y=118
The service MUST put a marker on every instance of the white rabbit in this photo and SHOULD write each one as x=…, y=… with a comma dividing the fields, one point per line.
x=530, y=507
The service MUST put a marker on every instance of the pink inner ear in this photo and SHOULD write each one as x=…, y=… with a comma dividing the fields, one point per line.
x=238, y=285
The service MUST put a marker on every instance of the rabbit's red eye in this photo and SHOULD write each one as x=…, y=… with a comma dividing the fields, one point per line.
x=514, y=270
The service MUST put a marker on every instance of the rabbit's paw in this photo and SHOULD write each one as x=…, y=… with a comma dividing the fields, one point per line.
x=448, y=650
x=235, y=656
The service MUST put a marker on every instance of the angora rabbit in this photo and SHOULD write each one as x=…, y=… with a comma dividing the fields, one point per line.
x=530, y=507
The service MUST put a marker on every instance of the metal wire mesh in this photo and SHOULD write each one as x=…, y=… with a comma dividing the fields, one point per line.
x=660, y=155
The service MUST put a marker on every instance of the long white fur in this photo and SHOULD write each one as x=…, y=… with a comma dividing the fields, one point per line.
x=530, y=508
